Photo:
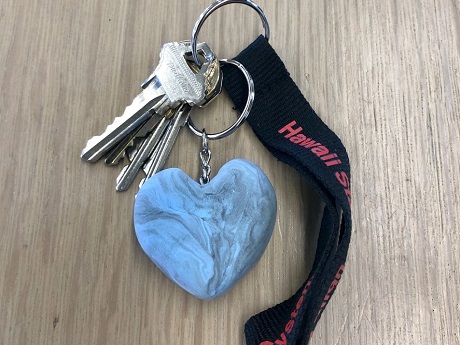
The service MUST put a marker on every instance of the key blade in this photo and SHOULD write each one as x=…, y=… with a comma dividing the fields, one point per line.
x=129, y=141
x=154, y=156
x=135, y=114
x=129, y=172
x=131, y=151
x=117, y=153
x=179, y=120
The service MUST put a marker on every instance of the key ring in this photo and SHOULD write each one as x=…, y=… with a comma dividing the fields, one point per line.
x=214, y=6
x=244, y=114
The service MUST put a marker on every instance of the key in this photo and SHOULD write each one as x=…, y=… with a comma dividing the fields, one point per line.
x=174, y=81
x=157, y=161
x=132, y=140
x=134, y=115
x=129, y=172
x=151, y=160
x=132, y=150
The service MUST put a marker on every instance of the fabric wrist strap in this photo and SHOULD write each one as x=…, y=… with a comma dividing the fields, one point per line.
x=286, y=124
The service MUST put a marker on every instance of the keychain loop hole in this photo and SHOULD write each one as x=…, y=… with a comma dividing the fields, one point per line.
x=213, y=7
x=244, y=114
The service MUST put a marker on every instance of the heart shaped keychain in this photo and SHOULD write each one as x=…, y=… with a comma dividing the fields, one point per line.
x=206, y=236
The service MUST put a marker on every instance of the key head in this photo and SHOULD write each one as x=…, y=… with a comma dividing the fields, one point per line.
x=213, y=81
x=185, y=82
x=209, y=68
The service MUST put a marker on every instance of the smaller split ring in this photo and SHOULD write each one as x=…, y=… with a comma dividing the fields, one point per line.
x=244, y=114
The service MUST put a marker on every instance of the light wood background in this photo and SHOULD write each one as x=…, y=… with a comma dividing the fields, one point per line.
x=383, y=74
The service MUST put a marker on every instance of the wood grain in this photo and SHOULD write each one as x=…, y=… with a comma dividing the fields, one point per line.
x=383, y=74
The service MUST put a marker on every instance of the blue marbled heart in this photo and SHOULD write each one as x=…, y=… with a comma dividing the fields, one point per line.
x=206, y=237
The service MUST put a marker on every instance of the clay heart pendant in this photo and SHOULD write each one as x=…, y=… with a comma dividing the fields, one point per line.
x=206, y=237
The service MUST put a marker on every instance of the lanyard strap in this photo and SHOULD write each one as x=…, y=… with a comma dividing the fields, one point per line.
x=290, y=129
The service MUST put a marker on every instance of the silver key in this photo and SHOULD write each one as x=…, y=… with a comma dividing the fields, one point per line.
x=151, y=160
x=135, y=114
x=132, y=140
x=129, y=172
x=173, y=82
x=158, y=160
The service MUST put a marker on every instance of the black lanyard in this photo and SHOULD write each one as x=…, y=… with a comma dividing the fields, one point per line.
x=286, y=124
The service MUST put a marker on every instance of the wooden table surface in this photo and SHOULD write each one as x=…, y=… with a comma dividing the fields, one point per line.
x=384, y=75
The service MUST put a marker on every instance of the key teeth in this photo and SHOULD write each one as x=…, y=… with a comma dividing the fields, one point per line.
x=116, y=161
x=96, y=139
x=121, y=156
x=91, y=143
x=131, y=146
